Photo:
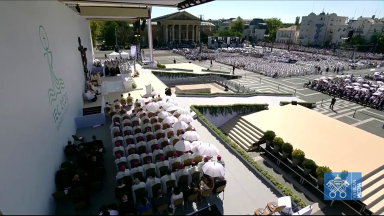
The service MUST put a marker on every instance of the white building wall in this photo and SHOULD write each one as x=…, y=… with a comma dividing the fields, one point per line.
x=32, y=143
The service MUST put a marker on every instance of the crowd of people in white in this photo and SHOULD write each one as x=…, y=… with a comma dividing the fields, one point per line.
x=156, y=147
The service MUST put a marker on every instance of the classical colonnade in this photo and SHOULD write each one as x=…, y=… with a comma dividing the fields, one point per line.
x=180, y=32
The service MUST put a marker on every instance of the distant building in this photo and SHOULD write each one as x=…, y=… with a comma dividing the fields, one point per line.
x=228, y=23
x=319, y=29
x=255, y=30
x=288, y=35
x=179, y=27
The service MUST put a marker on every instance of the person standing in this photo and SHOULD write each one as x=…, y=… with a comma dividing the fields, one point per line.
x=333, y=101
x=174, y=61
x=233, y=69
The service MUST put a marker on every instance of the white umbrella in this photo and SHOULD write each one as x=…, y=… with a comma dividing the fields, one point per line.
x=163, y=114
x=186, y=118
x=172, y=108
x=155, y=93
x=191, y=136
x=180, y=125
x=167, y=105
x=356, y=84
x=153, y=107
x=161, y=103
x=183, y=145
x=183, y=111
x=170, y=120
x=366, y=85
x=213, y=169
x=143, y=100
x=380, y=89
x=173, y=102
x=208, y=149
x=196, y=145
x=377, y=93
x=350, y=87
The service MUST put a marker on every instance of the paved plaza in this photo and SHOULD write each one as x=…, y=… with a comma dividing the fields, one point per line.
x=368, y=119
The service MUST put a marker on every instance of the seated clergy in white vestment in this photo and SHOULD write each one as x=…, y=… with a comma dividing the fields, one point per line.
x=120, y=159
x=151, y=180
x=123, y=172
x=186, y=156
x=220, y=160
x=118, y=139
x=168, y=148
x=196, y=154
x=89, y=96
x=148, y=166
x=146, y=155
x=162, y=163
x=117, y=148
x=116, y=116
x=174, y=159
x=183, y=171
x=156, y=152
x=137, y=169
x=137, y=185
x=115, y=124
x=169, y=176
x=129, y=147
x=132, y=156
x=201, y=164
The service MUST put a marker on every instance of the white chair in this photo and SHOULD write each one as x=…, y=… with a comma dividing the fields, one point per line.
x=305, y=211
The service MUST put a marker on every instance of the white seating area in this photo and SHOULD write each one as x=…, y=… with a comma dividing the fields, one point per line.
x=157, y=144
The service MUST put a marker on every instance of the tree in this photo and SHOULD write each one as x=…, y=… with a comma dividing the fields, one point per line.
x=297, y=21
x=273, y=24
x=225, y=32
x=109, y=33
x=124, y=33
x=96, y=30
x=238, y=26
x=378, y=41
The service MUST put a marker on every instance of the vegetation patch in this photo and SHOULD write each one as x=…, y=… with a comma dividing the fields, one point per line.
x=199, y=110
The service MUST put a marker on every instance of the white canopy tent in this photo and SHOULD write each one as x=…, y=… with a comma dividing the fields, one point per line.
x=113, y=55
x=124, y=54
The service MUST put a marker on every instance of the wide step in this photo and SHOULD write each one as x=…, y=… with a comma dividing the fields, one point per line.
x=242, y=132
x=92, y=110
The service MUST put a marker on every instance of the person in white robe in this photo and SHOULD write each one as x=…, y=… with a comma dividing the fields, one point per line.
x=136, y=168
x=162, y=163
x=149, y=165
x=173, y=160
x=117, y=148
x=123, y=172
x=137, y=185
x=156, y=152
x=169, y=176
x=201, y=164
x=168, y=148
x=220, y=160
x=146, y=154
x=183, y=171
x=151, y=180
x=186, y=156
x=118, y=139
x=120, y=159
x=131, y=157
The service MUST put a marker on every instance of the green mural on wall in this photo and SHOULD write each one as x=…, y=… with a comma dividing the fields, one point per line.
x=57, y=97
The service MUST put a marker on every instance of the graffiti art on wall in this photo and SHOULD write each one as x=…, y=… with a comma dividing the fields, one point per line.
x=57, y=97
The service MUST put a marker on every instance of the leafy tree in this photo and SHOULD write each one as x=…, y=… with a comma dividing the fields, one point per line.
x=273, y=24
x=297, y=21
x=109, y=33
x=378, y=41
x=225, y=32
x=238, y=26
x=124, y=33
x=96, y=30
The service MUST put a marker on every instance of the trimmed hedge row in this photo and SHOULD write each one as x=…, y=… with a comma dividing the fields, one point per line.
x=234, y=94
x=215, y=110
x=304, y=104
x=187, y=74
x=248, y=158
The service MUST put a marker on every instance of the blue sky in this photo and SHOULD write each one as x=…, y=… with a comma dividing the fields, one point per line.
x=285, y=10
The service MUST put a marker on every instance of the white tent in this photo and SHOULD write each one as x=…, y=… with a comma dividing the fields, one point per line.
x=113, y=55
x=124, y=54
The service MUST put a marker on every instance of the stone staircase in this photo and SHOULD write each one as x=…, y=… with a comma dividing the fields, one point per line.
x=373, y=191
x=242, y=132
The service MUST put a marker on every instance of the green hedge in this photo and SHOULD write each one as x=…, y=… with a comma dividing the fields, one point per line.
x=233, y=94
x=215, y=110
x=248, y=158
x=304, y=104
x=186, y=74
